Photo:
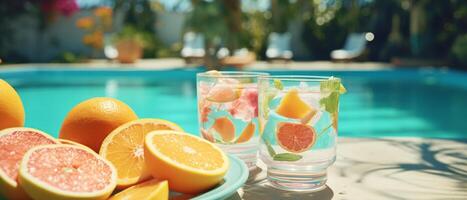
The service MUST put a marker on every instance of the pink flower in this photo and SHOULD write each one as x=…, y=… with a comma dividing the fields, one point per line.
x=64, y=7
x=246, y=107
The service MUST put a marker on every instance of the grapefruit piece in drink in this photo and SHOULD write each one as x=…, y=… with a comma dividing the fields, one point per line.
x=295, y=137
x=150, y=190
x=190, y=164
x=14, y=143
x=63, y=171
x=124, y=149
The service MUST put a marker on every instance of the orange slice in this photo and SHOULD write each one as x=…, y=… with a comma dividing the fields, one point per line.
x=123, y=147
x=190, y=164
x=149, y=190
x=292, y=106
x=247, y=133
x=225, y=128
x=223, y=93
x=294, y=137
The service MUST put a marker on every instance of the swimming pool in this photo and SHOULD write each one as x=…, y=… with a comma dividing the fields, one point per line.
x=403, y=102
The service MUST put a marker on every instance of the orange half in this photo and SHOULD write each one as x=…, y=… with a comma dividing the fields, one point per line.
x=190, y=164
x=123, y=147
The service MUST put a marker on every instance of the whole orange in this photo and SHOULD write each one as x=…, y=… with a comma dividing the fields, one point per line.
x=90, y=121
x=11, y=107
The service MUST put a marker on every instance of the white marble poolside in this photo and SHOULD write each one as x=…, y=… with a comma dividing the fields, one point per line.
x=386, y=168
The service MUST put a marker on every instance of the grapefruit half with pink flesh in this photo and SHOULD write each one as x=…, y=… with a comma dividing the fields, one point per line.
x=64, y=171
x=295, y=137
x=14, y=143
x=70, y=142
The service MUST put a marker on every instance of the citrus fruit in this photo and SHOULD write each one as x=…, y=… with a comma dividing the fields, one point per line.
x=292, y=106
x=294, y=137
x=223, y=93
x=247, y=133
x=65, y=141
x=14, y=143
x=150, y=190
x=225, y=128
x=64, y=171
x=207, y=135
x=189, y=163
x=90, y=121
x=11, y=107
x=124, y=149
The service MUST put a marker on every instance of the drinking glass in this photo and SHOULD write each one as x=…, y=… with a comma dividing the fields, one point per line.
x=298, y=129
x=228, y=112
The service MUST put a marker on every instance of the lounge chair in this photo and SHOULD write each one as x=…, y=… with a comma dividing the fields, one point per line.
x=279, y=46
x=193, y=46
x=354, y=47
x=240, y=57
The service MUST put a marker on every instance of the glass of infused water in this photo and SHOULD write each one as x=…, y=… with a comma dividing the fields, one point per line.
x=298, y=117
x=228, y=111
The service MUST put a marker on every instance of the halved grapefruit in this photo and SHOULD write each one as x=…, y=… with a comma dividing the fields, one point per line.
x=65, y=141
x=14, y=143
x=124, y=148
x=295, y=137
x=64, y=171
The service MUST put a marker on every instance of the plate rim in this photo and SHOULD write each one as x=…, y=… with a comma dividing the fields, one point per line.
x=237, y=184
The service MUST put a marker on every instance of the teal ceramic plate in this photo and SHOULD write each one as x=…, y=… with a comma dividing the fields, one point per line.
x=233, y=180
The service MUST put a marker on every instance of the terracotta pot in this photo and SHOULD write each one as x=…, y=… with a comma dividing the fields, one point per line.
x=129, y=51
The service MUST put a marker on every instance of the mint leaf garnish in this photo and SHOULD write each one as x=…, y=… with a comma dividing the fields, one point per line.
x=287, y=157
x=278, y=84
x=332, y=88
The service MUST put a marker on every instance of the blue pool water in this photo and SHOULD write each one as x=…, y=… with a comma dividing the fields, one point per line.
x=410, y=102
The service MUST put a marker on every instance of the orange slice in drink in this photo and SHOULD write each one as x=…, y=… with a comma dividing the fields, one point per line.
x=123, y=147
x=292, y=106
x=247, y=133
x=189, y=163
x=150, y=190
x=225, y=128
x=223, y=93
x=295, y=137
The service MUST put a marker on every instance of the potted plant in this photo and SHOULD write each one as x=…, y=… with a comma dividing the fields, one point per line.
x=129, y=43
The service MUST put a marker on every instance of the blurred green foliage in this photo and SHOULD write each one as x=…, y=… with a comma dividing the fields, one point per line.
x=422, y=29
